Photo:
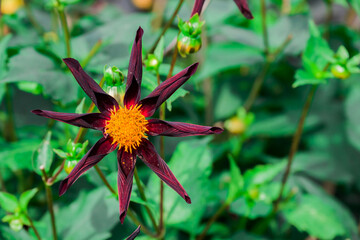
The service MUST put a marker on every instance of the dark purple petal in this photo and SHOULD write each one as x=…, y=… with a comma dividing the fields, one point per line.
x=244, y=8
x=151, y=158
x=101, y=99
x=165, y=90
x=133, y=82
x=134, y=234
x=178, y=129
x=91, y=158
x=126, y=165
x=197, y=8
x=88, y=120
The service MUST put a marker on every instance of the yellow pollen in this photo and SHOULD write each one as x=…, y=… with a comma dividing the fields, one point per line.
x=127, y=126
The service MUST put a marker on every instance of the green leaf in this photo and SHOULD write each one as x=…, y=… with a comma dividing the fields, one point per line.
x=342, y=53
x=177, y=94
x=3, y=55
x=20, y=154
x=159, y=50
x=8, y=202
x=315, y=217
x=80, y=108
x=194, y=177
x=305, y=78
x=25, y=198
x=236, y=182
x=60, y=153
x=31, y=66
x=262, y=174
x=43, y=156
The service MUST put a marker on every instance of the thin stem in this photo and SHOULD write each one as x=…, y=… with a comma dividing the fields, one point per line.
x=264, y=27
x=212, y=220
x=92, y=52
x=144, y=229
x=49, y=203
x=143, y=197
x=261, y=77
x=9, y=131
x=167, y=25
x=33, y=227
x=172, y=65
x=295, y=143
x=103, y=178
x=32, y=19
x=65, y=28
x=51, y=180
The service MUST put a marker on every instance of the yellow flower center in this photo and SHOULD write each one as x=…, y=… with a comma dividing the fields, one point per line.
x=127, y=126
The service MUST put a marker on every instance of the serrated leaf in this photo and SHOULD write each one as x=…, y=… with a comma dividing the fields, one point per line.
x=43, y=156
x=236, y=182
x=25, y=198
x=8, y=202
x=316, y=218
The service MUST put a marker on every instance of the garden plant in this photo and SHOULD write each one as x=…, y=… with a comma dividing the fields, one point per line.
x=245, y=116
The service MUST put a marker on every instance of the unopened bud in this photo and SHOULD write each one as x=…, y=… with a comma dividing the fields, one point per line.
x=187, y=45
x=152, y=63
x=235, y=125
x=113, y=76
x=69, y=165
x=16, y=224
x=340, y=71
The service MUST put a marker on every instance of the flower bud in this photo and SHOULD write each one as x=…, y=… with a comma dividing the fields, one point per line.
x=16, y=224
x=235, y=125
x=11, y=6
x=69, y=165
x=152, y=63
x=113, y=76
x=340, y=71
x=189, y=39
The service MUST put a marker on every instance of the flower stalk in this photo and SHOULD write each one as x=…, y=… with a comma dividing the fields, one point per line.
x=64, y=24
x=295, y=144
x=33, y=227
x=167, y=25
x=50, y=203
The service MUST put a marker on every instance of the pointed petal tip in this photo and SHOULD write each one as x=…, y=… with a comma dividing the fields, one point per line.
x=122, y=217
x=63, y=187
x=187, y=199
x=37, y=111
x=216, y=130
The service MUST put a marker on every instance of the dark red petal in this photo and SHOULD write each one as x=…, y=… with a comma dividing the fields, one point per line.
x=133, y=82
x=101, y=99
x=178, y=129
x=197, y=8
x=87, y=120
x=134, y=234
x=165, y=90
x=126, y=165
x=91, y=158
x=244, y=8
x=151, y=158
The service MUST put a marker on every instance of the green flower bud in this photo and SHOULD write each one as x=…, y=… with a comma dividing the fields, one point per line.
x=340, y=71
x=16, y=224
x=152, y=63
x=187, y=45
x=113, y=76
x=69, y=165
x=192, y=27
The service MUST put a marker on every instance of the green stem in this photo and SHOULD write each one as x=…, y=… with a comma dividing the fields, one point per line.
x=65, y=28
x=93, y=51
x=295, y=144
x=167, y=25
x=9, y=131
x=143, y=197
x=261, y=77
x=218, y=213
x=50, y=203
x=33, y=227
x=103, y=178
x=264, y=27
